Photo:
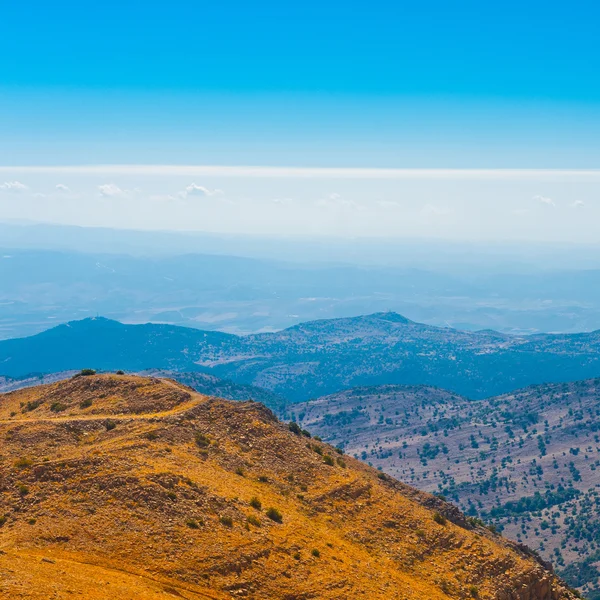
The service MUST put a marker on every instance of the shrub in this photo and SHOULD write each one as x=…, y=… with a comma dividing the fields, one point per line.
x=315, y=553
x=119, y=372
x=31, y=405
x=382, y=476
x=474, y=591
x=3, y=520
x=172, y=495
x=192, y=524
x=226, y=521
x=85, y=403
x=86, y=373
x=23, y=463
x=439, y=518
x=240, y=471
x=295, y=428
x=255, y=503
x=23, y=489
x=274, y=515
x=296, y=555
x=341, y=462
x=202, y=440
x=58, y=407
x=110, y=425
x=339, y=450
x=253, y=520
x=328, y=460
x=263, y=478
x=151, y=435
x=31, y=521
x=318, y=450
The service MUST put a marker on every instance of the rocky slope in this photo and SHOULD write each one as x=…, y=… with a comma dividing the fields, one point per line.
x=528, y=462
x=316, y=358
x=128, y=487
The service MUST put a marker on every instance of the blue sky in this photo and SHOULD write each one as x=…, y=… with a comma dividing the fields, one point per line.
x=395, y=84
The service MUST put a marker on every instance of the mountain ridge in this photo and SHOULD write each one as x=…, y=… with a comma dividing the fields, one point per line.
x=198, y=497
x=316, y=358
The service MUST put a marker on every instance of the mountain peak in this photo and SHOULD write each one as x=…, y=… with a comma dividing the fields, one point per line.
x=195, y=496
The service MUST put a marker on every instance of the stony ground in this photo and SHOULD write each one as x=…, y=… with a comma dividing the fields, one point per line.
x=528, y=462
x=128, y=487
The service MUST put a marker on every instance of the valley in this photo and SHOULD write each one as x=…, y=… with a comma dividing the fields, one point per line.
x=526, y=462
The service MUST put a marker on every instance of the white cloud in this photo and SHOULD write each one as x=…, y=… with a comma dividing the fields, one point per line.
x=199, y=190
x=61, y=188
x=578, y=204
x=109, y=190
x=388, y=203
x=282, y=201
x=314, y=172
x=429, y=210
x=336, y=201
x=13, y=186
x=544, y=200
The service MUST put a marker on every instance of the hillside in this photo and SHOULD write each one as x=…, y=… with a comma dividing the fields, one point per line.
x=128, y=487
x=528, y=462
x=200, y=382
x=316, y=358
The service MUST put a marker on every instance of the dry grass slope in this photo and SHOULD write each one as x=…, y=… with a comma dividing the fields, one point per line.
x=132, y=488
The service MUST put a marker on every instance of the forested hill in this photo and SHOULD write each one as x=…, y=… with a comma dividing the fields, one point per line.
x=316, y=358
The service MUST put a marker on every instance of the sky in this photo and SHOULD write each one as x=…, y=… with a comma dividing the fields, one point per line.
x=401, y=86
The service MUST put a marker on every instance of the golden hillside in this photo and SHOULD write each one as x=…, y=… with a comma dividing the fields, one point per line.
x=131, y=488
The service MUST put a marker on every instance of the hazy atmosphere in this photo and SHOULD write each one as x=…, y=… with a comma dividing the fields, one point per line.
x=300, y=300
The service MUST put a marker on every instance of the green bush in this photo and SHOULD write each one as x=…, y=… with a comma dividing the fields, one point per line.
x=86, y=372
x=192, y=524
x=58, y=407
x=274, y=515
x=226, y=521
x=328, y=460
x=253, y=520
x=85, y=403
x=295, y=428
x=315, y=553
x=202, y=440
x=439, y=518
x=255, y=503
x=23, y=463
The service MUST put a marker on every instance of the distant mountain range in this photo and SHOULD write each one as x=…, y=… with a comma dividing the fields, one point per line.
x=316, y=358
x=245, y=295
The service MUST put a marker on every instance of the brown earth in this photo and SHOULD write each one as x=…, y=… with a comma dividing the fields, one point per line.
x=133, y=488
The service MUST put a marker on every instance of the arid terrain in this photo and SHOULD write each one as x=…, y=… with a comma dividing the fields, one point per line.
x=125, y=487
x=527, y=462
